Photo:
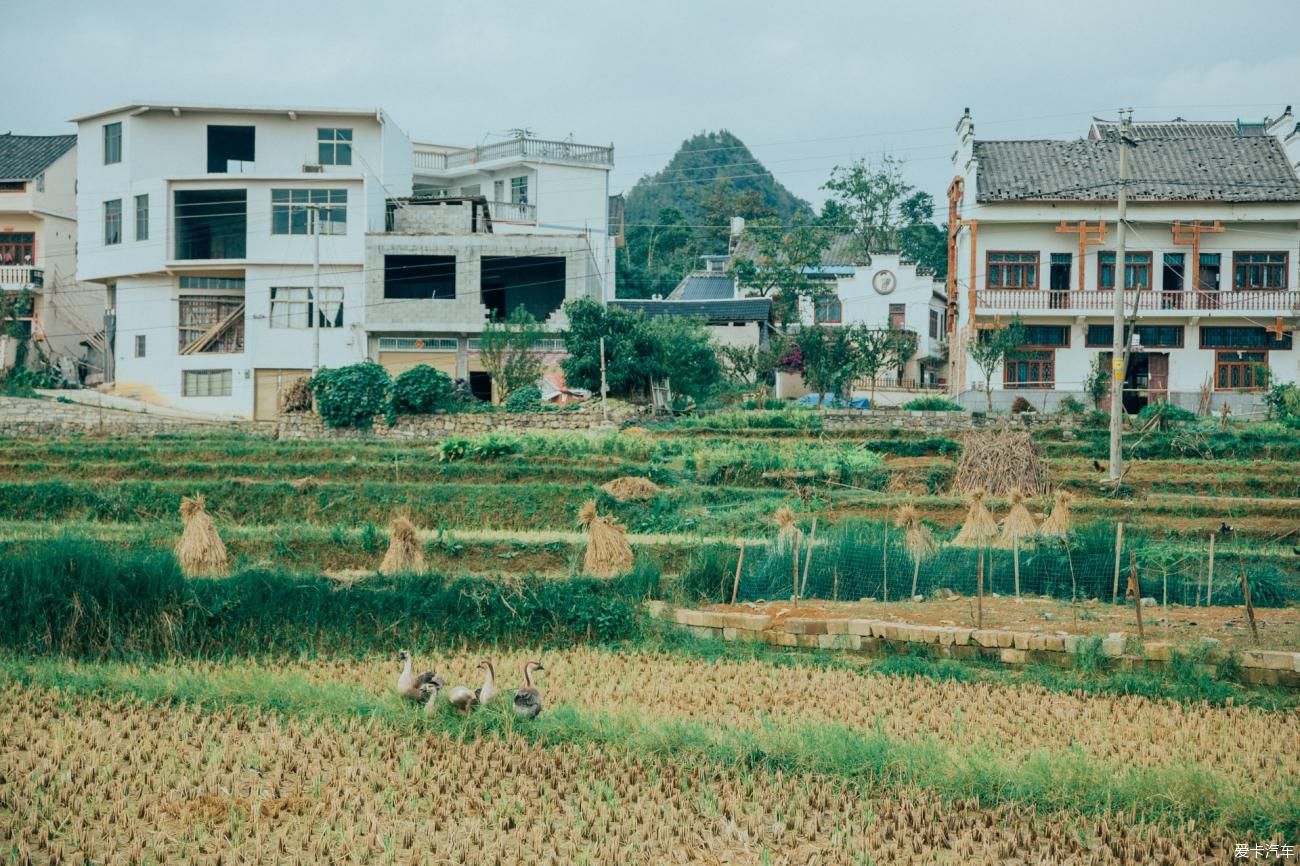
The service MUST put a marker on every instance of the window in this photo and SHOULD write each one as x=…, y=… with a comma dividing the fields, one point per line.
x=139, y=345
x=227, y=144
x=1243, y=337
x=419, y=278
x=829, y=310
x=1012, y=271
x=1174, y=273
x=112, y=222
x=40, y=182
x=205, y=383
x=291, y=214
x=1137, y=270
x=112, y=143
x=473, y=189
x=1059, y=276
x=211, y=223
x=291, y=307
x=499, y=190
x=898, y=316
x=1051, y=336
x=1149, y=336
x=142, y=217
x=936, y=325
x=519, y=190
x=334, y=146
x=211, y=315
x=1030, y=369
x=1259, y=270
x=13, y=185
x=17, y=248
x=1240, y=371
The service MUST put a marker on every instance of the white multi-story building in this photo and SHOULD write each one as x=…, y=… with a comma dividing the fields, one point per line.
x=199, y=220
x=38, y=254
x=1212, y=248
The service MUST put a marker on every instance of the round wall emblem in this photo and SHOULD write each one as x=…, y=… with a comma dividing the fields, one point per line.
x=884, y=282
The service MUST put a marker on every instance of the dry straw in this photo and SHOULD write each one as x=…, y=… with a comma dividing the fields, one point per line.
x=787, y=532
x=404, y=554
x=631, y=487
x=999, y=463
x=980, y=529
x=1059, y=521
x=608, y=553
x=200, y=550
x=1018, y=525
x=917, y=538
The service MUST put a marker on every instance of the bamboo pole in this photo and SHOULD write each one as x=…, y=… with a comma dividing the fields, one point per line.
x=1209, y=581
x=794, y=566
x=1250, y=608
x=1015, y=555
x=1137, y=590
x=916, y=574
x=735, y=584
x=807, y=559
x=1119, y=545
x=884, y=560
x=835, y=584
x=979, y=592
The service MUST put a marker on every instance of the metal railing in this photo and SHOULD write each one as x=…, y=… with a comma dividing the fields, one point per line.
x=518, y=148
x=513, y=212
x=21, y=277
x=894, y=382
x=1252, y=300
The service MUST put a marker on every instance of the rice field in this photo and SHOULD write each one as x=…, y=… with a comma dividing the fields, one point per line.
x=147, y=717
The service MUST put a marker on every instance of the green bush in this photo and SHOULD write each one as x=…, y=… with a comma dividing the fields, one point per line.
x=1070, y=405
x=1283, y=403
x=422, y=390
x=932, y=404
x=525, y=399
x=352, y=396
x=1166, y=415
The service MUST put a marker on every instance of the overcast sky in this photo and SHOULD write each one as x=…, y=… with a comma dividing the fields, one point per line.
x=806, y=85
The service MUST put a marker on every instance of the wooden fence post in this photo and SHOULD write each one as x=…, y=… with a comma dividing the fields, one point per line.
x=735, y=584
x=1015, y=555
x=979, y=592
x=1136, y=588
x=1119, y=545
x=807, y=560
x=1245, y=597
x=1209, y=584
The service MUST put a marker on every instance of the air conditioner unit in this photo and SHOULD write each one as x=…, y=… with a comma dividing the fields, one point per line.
x=312, y=168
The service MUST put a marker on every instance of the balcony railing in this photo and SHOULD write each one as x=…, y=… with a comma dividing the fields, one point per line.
x=519, y=148
x=1237, y=300
x=513, y=212
x=21, y=277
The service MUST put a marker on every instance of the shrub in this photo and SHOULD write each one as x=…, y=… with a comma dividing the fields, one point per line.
x=1283, y=402
x=1167, y=415
x=352, y=396
x=525, y=399
x=932, y=404
x=1020, y=404
x=421, y=390
x=1097, y=419
x=1069, y=405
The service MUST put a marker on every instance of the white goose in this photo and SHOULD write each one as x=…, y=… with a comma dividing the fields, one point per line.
x=409, y=682
x=489, y=689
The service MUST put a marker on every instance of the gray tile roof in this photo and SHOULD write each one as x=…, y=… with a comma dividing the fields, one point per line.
x=1187, y=168
x=842, y=250
x=704, y=286
x=737, y=310
x=23, y=157
x=1176, y=128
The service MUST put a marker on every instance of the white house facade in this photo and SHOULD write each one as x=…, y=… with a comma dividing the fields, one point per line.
x=1211, y=261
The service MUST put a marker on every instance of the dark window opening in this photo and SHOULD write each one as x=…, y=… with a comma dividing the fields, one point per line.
x=1149, y=336
x=1137, y=270
x=535, y=283
x=211, y=224
x=420, y=278
x=480, y=385
x=1259, y=270
x=898, y=316
x=1051, y=336
x=1207, y=278
x=227, y=144
x=1243, y=337
x=1059, y=275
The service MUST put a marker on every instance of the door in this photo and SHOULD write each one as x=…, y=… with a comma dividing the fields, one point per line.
x=397, y=363
x=1207, y=281
x=1171, y=282
x=1157, y=377
x=1059, y=280
x=268, y=385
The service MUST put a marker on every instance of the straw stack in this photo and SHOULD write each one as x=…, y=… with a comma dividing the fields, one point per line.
x=999, y=462
x=631, y=487
x=788, y=534
x=404, y=554
x=1019, y=523
x=608, y=553
x=200, y=550
x=1059, y=521
x=917, y=538
x=980, y=529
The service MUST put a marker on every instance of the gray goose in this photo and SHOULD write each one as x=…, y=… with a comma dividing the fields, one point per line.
x=409, y=682
x=528, y=700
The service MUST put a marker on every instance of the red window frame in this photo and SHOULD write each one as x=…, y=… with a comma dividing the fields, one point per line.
x=1012, y=269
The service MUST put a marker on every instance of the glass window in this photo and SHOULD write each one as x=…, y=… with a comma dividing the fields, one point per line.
x=1137, y=270
x=205, y=383
x=113, y=222
x=1030, y=369
x=112, y=143
x=291, y=214
x=1149, y=336
x=1046, y=335
x=334, y=146
x=1243, y=337
x=829, y=310
x=1240, y=371
x=1259, y=270
x=1012, y=270
x=142, y=217
x=291, y=306
x=519, y=190
x=139, y=345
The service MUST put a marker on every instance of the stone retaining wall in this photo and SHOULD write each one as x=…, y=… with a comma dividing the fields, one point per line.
x=938, y=422
x=308, y=425
x=23, y=416
x=1118, y=650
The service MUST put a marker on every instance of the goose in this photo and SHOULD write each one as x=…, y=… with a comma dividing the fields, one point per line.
x=528, y=701
x=409, y=682
x=430, y=692
x=489, y=689
x=462, y=698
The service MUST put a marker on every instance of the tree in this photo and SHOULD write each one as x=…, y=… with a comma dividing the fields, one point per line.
x=1097, y=384
x=775, y=262
x=994, y=346
x=655, y=256
x=683, y=355
x=832, y=357
x=508, y=351
x=756, y=365
x=884, y=213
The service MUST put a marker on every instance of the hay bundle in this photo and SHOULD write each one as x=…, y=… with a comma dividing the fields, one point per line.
x=297, y=396
x=404, y=554
x=608, y=553
x=631, y=487
x=917, y=538
x=1059, y=521
x=787, y=533
x=1019, y=523
x=306, y=484
x=200, y=550
x=980, y=529
x=1000, y=462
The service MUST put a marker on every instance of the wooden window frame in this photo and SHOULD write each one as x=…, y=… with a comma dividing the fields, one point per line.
x=1246, y=368
x=825, y=302
x=1237, y=264
x=1128, y=263
x=989, y=265
x=1039, y=384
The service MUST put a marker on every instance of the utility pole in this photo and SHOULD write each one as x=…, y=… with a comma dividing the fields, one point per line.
x=1119, y=343
x=313, y=214
x=604, y=385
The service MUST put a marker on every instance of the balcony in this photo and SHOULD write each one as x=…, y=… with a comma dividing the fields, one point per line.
x=19, y=277
x=515, y=149
x=1037, y=302
x=513, y=212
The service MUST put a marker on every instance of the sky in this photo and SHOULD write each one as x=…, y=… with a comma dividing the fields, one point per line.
x=807, y=85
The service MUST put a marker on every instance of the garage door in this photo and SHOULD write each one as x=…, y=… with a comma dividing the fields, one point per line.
x=400, y=362
x=268, y=384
